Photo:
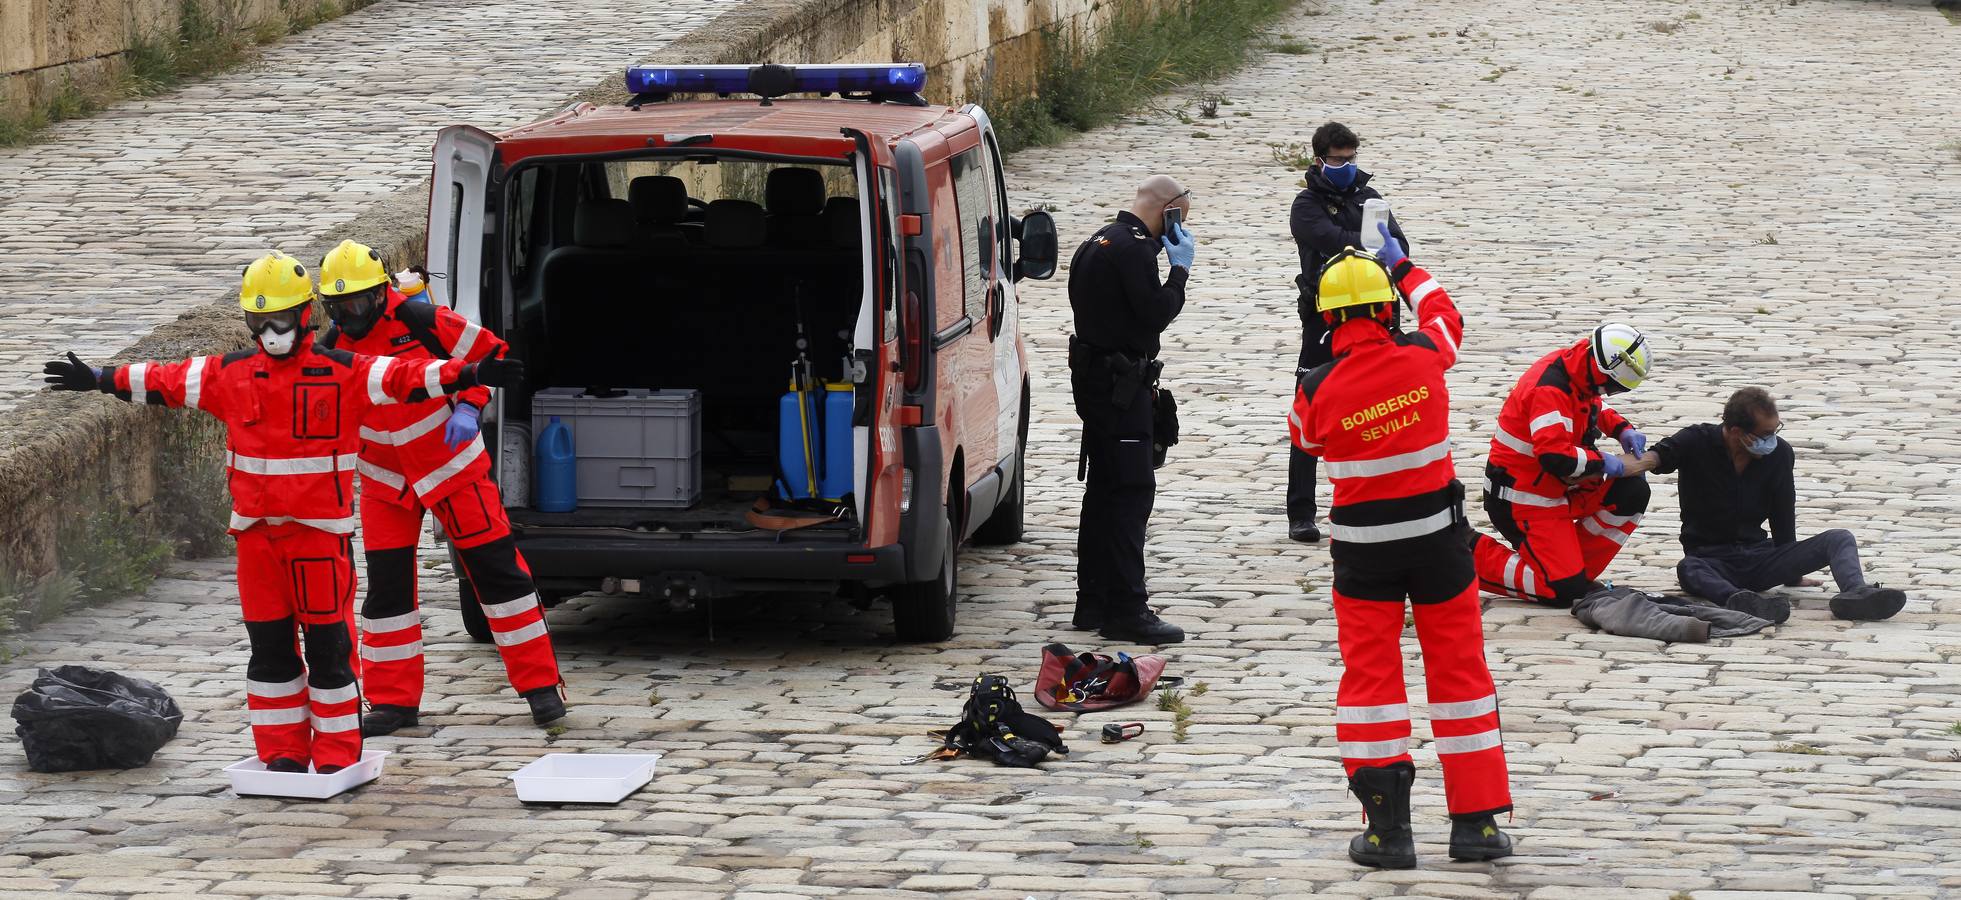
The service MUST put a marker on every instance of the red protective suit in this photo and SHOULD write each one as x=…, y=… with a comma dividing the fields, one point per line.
x=1379, y=418
x=406, y=467
x=1562, y=537
x=291, y=431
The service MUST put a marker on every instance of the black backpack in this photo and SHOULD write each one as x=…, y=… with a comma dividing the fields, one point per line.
x=994, y=726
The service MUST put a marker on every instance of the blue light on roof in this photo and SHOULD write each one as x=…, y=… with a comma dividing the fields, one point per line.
x=880, y=78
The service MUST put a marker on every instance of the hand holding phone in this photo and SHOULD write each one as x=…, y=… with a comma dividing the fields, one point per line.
x=1173, y=217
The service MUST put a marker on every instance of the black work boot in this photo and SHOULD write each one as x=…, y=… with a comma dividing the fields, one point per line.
x=1771, y=609
x=1384, y=792
x=1868, y=603
x=1304, y=531
x=1478, y=839
x=384, y=719
x=546, y=707
x=286, y=764
x=1142, y=628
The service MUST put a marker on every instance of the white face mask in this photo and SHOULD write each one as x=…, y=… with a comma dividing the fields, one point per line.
x=279, y=343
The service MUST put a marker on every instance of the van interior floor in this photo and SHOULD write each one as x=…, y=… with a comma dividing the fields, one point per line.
x=719, y=511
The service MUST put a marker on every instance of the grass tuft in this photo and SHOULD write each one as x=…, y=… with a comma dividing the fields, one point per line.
x=1087, y=81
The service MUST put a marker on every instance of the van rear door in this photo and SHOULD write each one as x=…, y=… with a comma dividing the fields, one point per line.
x=458, y=200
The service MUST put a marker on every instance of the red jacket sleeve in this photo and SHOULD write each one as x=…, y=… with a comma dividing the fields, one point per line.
x=184, y=383
x=1612, y=423
x=387, y=380
x=470, y=342
x=1554, y=435
x=1437, y=315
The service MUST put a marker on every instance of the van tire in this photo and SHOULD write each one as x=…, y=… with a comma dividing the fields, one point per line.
x=1004, y=526
x=922, y=612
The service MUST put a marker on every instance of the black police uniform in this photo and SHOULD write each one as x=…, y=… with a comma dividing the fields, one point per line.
x=1120, y=309
x=1324, y=220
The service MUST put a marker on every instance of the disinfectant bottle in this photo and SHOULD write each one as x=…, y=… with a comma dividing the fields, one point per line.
x=557, y=467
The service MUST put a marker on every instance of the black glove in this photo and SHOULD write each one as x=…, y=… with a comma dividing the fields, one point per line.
x=496, y=372
x=71, y=374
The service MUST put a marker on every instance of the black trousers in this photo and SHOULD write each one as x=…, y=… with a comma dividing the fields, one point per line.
x=1716, y=571
x=1301, y=465
x=1120, y=489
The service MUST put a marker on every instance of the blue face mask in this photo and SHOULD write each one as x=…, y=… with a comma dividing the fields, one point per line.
x=1340, y=176
x=1761, y=446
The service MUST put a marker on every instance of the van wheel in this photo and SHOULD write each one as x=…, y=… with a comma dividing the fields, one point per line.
x=923, y=612
x=1004, y=525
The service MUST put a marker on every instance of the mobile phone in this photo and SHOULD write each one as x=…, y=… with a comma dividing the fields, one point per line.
x=1173, y=217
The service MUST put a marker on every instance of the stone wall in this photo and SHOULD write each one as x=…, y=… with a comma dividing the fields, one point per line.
x=62, y=455
x=47, y=44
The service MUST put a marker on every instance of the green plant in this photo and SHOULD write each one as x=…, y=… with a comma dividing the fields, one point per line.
x=654, y=698
x=1953, y=147
x=1806, y=749
x=552, y=733
x=1291, y=47
x=1769, y=239
x=1291, y=154
x=1199, y=689
x=1954, y=729
x=1087, y=80
x=1664, y=26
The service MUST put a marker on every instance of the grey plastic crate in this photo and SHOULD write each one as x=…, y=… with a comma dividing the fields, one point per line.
x=639, y=449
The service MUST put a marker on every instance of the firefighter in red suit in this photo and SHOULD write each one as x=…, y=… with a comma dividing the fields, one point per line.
x=1378, y=417
x=428, y=456
x=1565, y=508
x=292, y=414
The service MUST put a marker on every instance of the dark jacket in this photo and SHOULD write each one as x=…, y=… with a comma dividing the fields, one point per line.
x=1324, y=220
x=1721, y=505
x=1114, y=291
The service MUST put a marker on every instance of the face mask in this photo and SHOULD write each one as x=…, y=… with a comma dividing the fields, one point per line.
x=1340, y=176
x=279, y=343
x=1760, y=446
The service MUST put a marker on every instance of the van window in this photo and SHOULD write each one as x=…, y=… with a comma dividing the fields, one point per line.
x=972, y=188
x=523, y=221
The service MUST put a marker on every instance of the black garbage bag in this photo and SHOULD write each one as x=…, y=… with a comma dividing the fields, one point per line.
x=75, y=718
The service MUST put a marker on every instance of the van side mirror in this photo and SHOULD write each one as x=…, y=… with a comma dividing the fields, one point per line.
x=1039, y=248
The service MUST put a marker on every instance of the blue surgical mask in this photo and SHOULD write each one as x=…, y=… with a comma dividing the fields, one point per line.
x=1761, y=446
x=1340, y=176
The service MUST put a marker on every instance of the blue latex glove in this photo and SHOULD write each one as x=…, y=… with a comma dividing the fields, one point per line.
x=462, y=426
x=1181, y=253
x=1634, y=442
x=1615, y=468
x=1392, y=249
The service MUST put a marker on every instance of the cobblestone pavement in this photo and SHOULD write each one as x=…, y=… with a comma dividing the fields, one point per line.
x=119, y=222
x=1554, y=165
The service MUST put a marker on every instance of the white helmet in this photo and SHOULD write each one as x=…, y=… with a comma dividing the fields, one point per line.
x=1620, y=352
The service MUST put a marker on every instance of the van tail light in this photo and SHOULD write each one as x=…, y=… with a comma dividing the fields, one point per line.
x=914, y=351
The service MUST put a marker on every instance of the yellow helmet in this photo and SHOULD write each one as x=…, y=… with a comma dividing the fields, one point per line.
x=274, y=282
x=1353, y=278
x=351, y=268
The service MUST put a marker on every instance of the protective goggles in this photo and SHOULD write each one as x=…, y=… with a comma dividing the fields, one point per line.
x=279, y=322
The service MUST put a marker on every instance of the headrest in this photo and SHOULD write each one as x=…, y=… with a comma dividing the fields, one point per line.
x=658, y=199
x=841, y=219
x=735, y=225
x=602, y=223
x=794, y=192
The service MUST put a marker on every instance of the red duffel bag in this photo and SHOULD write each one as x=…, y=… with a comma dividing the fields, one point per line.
x=1092, y=681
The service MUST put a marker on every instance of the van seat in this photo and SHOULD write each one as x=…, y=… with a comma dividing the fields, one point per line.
x=795, y=198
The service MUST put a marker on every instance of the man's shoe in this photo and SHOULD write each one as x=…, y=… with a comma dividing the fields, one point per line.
x=327, y=770
x=1305, y=532
x=287, y=765
x=1868, y=603
x=1478, y=840
x=546, y=707
x=1384, y=792
x=1770, y=609
x=384, y=719
x=1143, y=629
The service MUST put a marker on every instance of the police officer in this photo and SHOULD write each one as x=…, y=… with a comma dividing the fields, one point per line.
x=1121, y=307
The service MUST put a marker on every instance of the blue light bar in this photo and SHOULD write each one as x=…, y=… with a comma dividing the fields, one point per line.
x=879, y=78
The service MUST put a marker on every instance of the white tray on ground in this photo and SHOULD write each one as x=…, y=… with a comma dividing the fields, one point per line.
x=249, y=777
x=584, y=777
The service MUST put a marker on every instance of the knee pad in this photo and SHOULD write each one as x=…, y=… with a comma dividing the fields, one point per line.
x=391, y=583
x=327, y=648
x=494, y=571
x=274, y=655
x=1568, y=590
x=1629, y=496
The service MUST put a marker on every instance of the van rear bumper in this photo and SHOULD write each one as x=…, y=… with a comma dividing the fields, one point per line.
x=589, y=557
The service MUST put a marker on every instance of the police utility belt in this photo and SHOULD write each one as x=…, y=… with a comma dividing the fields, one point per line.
x=1128, y=375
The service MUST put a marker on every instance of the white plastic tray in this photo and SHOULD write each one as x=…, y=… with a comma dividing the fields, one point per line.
x=584, y=777
x=250, y=777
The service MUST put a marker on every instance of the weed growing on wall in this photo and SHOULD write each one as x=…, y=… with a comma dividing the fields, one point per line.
x=1091, y=80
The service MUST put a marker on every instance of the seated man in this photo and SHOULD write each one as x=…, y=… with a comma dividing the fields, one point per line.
x=1733, y=477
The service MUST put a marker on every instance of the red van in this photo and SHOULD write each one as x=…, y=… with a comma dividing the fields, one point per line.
x=708, y=244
